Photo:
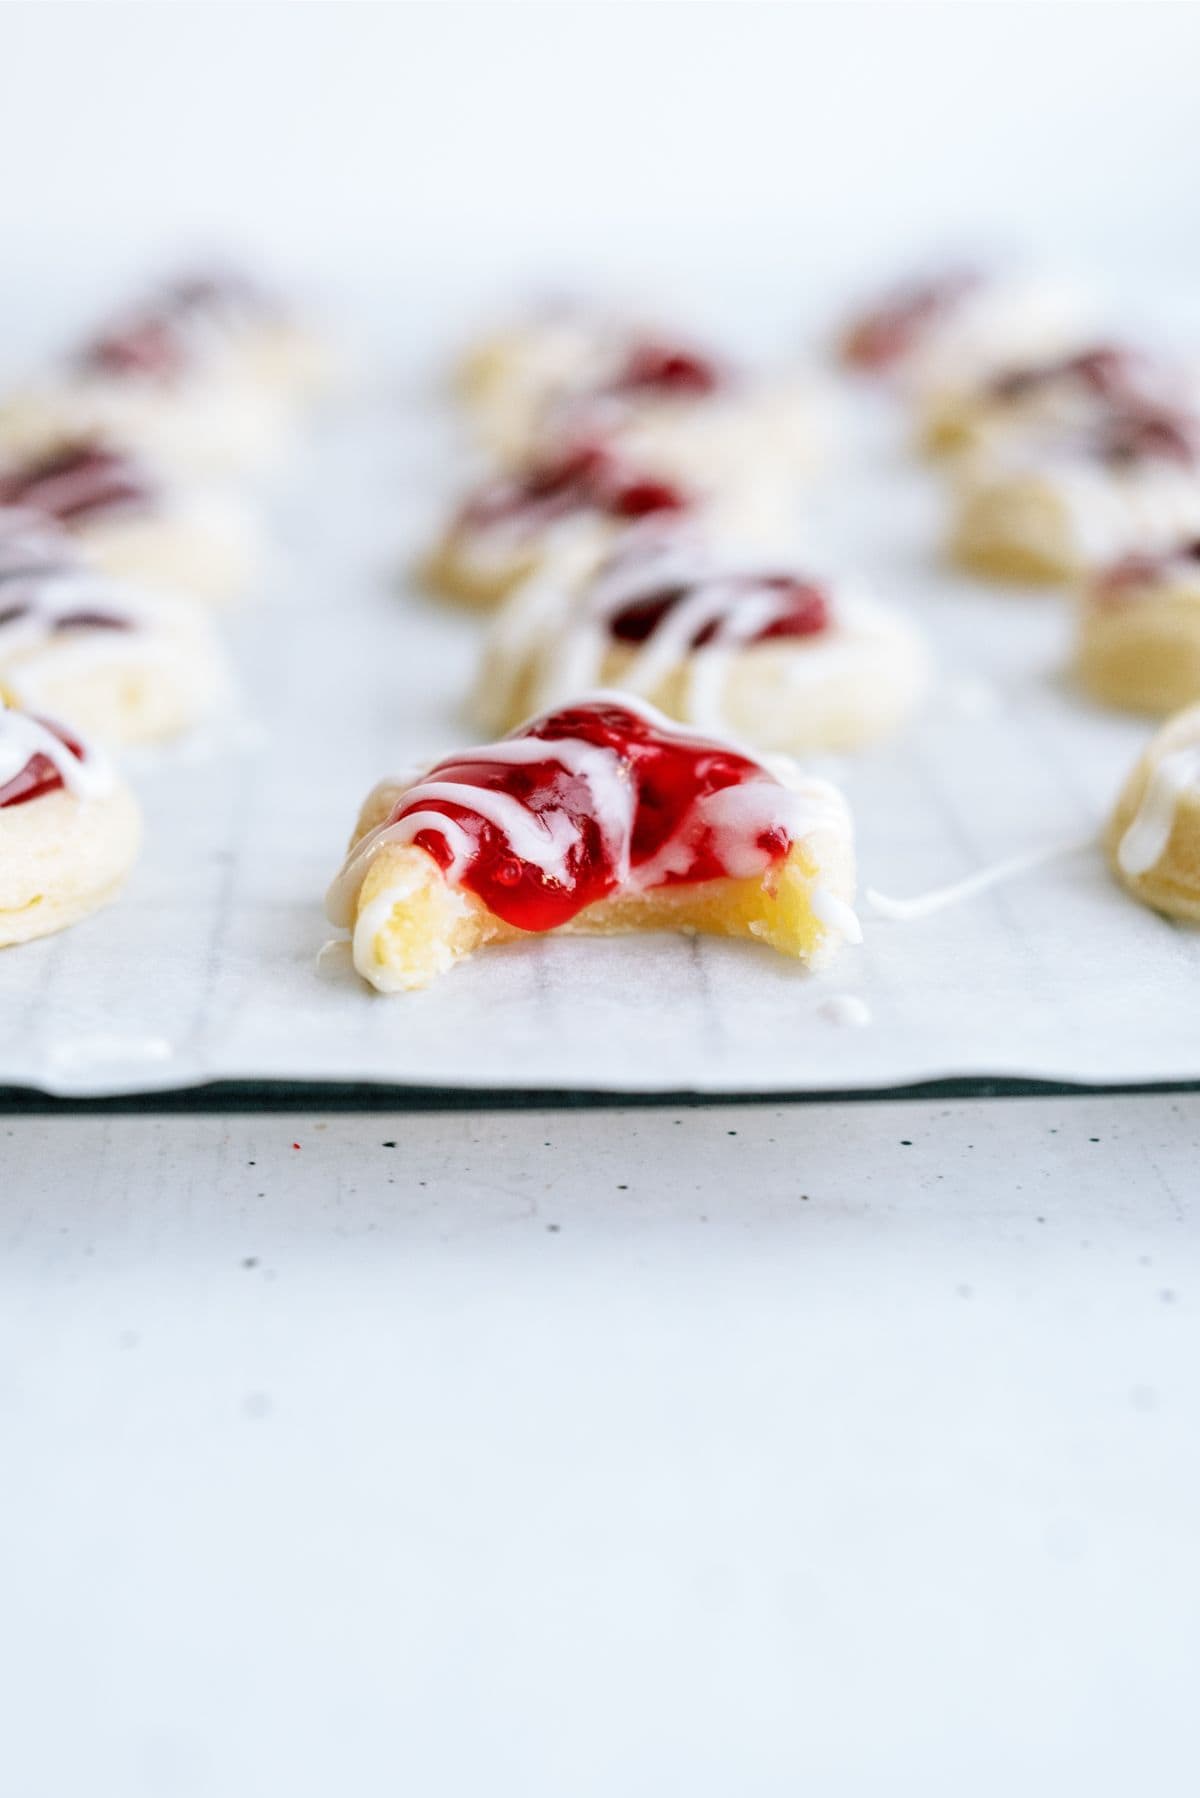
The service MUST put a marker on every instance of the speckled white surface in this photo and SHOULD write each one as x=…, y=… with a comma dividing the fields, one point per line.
x=836, y=1449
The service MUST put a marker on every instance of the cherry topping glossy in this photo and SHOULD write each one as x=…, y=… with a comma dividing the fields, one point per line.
x=804, y=610
x=652, y=779
x=639, y=498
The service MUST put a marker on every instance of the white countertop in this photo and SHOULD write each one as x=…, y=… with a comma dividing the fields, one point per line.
x=755, y=1450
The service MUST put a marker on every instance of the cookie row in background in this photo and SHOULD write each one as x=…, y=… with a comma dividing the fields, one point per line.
x=125, y=518
x=643, y=528
x=637, y=541
x=1072, y=463
x=632, y=525
x=638, y=533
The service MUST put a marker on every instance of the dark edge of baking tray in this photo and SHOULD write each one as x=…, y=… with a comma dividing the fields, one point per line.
x=298, y=1095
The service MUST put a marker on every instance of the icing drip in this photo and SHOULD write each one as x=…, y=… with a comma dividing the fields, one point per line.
x=1145, y=840
x=837, y=914
x=36, y=758
x=905, y=911
x=604, y=795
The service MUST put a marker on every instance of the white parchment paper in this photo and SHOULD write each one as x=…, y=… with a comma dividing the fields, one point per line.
x=208, y=968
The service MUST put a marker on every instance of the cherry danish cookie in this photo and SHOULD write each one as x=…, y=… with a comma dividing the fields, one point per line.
x=600, y=817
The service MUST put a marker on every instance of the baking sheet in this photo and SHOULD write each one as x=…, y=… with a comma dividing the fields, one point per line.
x=208, y=969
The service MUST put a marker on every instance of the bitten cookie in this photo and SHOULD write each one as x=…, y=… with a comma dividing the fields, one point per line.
x=601, y=817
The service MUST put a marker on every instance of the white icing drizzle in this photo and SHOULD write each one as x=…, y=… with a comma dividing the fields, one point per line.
x=23, y=737
x=559, y=630
x=904, y=911
x=47, y=598
x=545, y=840
x=1145, y=840
x=782, y=799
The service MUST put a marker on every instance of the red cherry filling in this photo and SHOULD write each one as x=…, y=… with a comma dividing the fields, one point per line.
x=638, y=499
x=586, y=477
x=804, y=610
x=660, y=778
x=76, y=481
x=881, y=337
x=39, y=776
x=665, y=368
